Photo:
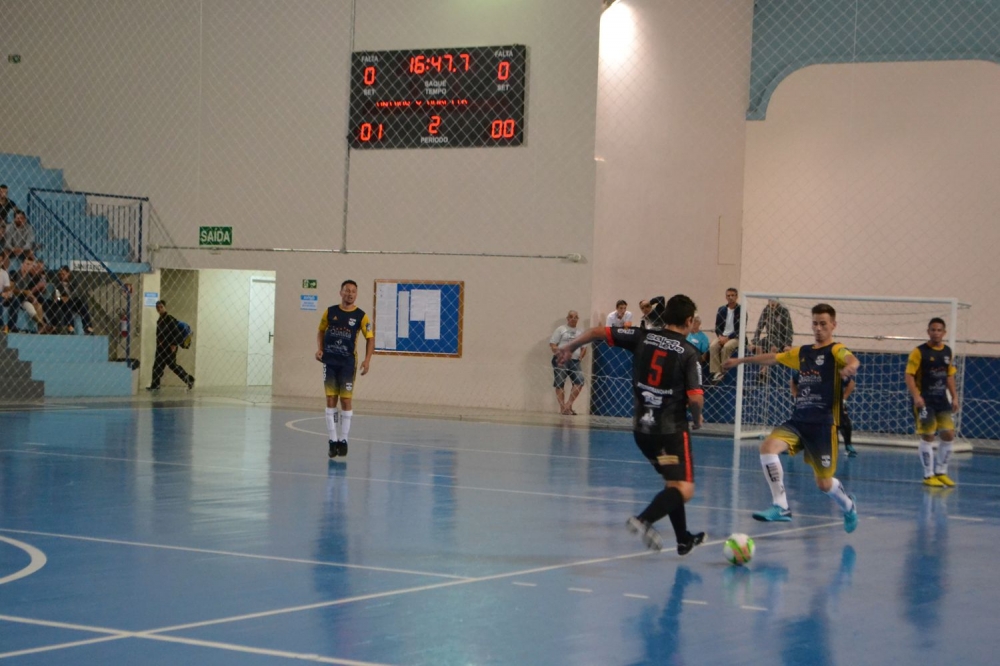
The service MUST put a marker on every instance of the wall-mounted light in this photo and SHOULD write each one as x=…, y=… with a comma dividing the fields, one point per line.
x=618, y=33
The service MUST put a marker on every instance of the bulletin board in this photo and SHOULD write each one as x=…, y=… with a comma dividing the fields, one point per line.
x=419, y=317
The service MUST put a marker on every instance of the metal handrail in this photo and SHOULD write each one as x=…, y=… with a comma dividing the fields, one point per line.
x=89, y=251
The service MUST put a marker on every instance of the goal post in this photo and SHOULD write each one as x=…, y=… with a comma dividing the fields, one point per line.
x=880, y=330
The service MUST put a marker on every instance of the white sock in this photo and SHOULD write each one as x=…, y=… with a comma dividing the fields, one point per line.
x=927, y=457
x=839, y=495
x=775, y=478
x=345, y=423
x=331, y=422
x=943, y=456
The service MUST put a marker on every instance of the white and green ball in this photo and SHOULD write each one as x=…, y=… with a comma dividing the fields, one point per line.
x=738, y=549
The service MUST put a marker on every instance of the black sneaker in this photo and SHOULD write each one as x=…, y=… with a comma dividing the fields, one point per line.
x=684, y=547
x=152, y=388
x=190, y=382
x=342, y=448
x=333, y=449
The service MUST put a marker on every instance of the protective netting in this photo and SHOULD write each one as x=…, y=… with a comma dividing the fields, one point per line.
x=239, y=160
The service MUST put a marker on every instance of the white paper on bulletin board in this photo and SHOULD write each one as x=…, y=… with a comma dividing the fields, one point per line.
x=385, y=315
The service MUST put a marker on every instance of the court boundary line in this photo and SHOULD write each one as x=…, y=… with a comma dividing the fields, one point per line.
x=158, y=634
x=532, y=493
x=36, y=562
x=212, y=551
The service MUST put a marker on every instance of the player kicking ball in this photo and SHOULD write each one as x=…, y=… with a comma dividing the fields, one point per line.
x=666, y=382
x=337, y=351
x=823, y=368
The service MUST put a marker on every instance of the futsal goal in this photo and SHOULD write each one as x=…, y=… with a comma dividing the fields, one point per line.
x=880, y=331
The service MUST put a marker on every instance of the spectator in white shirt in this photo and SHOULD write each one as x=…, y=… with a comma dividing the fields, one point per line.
x=620, y=317
x=572, y=369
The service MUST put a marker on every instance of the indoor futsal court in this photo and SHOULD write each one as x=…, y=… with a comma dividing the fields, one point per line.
x=221, y=534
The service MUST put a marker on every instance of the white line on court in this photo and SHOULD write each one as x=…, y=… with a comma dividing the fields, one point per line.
x=37, y=561
x=530, y=493
x=62, y=646
x=520, y=584
x=580, y=589
x=209, y=551
x=696, y=602
x=63, y=625
x=232, y=647
x=635, y=596
x=291, y=426
x=754, y=608
x=435, y=586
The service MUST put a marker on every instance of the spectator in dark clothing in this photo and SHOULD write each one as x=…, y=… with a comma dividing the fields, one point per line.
x=29, y=286
x=168, y=336
x=19, y=237
x=67, y=302
x=6, y=206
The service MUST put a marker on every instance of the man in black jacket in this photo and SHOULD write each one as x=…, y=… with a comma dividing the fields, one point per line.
x=168, y=336
x=727, y=332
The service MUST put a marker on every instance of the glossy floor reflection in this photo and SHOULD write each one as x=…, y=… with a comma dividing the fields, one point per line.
x=223, y=535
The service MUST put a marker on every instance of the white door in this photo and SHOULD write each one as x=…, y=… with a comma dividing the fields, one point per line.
x=260, y=332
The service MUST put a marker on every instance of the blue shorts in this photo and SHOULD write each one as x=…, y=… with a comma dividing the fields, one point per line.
x=570, y=370
x=338, y=379
x=818, y=440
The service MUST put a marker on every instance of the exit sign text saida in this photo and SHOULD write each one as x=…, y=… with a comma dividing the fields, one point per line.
x=215, y=236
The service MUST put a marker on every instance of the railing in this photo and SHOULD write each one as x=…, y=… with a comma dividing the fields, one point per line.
x=110, y=224
x=93, y=277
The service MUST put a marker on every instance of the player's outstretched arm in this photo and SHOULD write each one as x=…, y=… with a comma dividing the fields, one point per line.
x=566, y=350
x=761, y=359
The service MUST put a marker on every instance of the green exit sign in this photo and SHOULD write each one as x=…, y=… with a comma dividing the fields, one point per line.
x=309, y=284
x=215, y=236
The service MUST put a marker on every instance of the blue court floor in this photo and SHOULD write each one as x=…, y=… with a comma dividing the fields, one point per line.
x=178, y=534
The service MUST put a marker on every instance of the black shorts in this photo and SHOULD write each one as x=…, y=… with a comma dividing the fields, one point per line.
x=818, y=440
x=670, y=455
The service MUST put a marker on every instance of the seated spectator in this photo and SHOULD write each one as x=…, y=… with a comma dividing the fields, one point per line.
x=7, y=295
x=698, y=338
x=29, y=286
x=645, y=308
x=727, y=331
x=6, y=206
x=19, y=237
x=66, y=303
x=620, y=317
x=774, y=333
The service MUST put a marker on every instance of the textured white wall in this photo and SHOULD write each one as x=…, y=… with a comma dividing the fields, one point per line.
x=878, y=179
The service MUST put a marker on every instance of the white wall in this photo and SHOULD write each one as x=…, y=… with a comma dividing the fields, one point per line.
x=674, y=79
x=230, y=112
x=878, y=179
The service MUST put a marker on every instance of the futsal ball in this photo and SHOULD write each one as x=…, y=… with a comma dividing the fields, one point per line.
x=738, y=549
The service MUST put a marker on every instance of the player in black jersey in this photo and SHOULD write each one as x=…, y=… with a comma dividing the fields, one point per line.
x=337, y=351
x=930, y=378
x=666, y=382
x=823, y=368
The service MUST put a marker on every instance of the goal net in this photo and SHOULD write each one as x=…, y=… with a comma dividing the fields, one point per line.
x=880, y=331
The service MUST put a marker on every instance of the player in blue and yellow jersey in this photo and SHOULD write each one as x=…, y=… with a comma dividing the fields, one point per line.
x=666, y=383
x=930, y=377
x=823, y=368
x=337, y=342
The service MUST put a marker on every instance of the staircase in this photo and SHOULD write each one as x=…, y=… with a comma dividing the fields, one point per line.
x=17, y=384
x=60, y=366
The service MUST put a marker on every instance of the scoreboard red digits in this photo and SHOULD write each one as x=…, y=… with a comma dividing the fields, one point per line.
x=438, y=98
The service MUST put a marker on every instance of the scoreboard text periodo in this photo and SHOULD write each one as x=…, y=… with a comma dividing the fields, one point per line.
x=438, y=98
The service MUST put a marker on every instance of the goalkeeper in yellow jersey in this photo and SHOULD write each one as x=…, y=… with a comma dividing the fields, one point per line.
x=930, y=378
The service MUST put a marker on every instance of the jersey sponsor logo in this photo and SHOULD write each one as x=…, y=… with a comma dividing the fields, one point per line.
x=648, y=419
x=368, y=327
x=668, y=460
x=651, y=399
x=664, y=342
x=820, y=360
x=352, y=321
x=349, y=386
x=947, y=360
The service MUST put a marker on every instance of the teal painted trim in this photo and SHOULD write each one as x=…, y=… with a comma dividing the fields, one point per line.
x=789, y=35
